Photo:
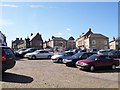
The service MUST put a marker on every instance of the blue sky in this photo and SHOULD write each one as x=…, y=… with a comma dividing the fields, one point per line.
x=63, y=19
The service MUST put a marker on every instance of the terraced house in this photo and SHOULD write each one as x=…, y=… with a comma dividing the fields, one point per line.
x=115, y=43
x=92, y=40
x=34, y=41
x=60, y=43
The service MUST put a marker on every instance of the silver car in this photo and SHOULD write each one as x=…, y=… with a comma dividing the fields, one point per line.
x=39, y=54
x=61, y=56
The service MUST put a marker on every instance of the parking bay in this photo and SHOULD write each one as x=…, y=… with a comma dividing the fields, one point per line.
x=46, y=74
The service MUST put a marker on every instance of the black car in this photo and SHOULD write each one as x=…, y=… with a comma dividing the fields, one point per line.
x=78, y=56
x=19, y=51
x=114, y=54
x=7, y=58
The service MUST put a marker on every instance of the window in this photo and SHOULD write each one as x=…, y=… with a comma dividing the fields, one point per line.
x=84, y=56
x=71, y=53
x=93, y=42
x=44, y=52
x=105, y=42
x=61, y=44
x=107, y=58
x=8, y=52
x=41, y=51
x=104, y=58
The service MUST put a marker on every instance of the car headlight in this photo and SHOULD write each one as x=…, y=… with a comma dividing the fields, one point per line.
x=84, y=64
x=68, y=60
x=29, y=55
x=76, y=62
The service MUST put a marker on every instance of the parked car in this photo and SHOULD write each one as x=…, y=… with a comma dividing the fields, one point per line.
x=61, y=56
x=28, y=50
x=78, y=56
x=114, y=54
x=50, y=50
x=7, y=59
x=104, y=51
x=19, y=51
x=97, y=61
x=93, y=50
x=39, y=54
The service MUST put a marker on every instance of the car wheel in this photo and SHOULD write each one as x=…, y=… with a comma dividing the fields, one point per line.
x=49, y=56
x=67, y=64
x=33, y=57
x=54, y=61
x=92, y=68
x=60, y=60
x=113, y=66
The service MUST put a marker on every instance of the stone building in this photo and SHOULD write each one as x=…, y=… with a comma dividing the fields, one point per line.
x=16, y=43
x=60, y=43
x=34, y=41
x=71, y=44
x=92, y=40
x=56, y=42
x=115, y=43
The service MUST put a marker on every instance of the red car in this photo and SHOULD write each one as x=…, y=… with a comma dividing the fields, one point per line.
x=97, y=61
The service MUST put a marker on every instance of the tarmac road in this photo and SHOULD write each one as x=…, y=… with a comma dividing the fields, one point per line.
x=46, y=74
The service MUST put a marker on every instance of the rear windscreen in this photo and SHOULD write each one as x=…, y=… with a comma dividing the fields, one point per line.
x=8, y=51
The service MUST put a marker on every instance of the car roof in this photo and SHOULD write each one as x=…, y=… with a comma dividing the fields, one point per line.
x=41, y=50
x=68, y=51
x=100, y=55
x=4, y=46
x=86, y=52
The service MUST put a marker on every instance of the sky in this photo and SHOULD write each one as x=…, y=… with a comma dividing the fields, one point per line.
x=62, y=19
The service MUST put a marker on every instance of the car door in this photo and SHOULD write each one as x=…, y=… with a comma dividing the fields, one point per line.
x=100, y=62
x=40, y=54
x=46, y=54
x=103, y=61
x=108, y=61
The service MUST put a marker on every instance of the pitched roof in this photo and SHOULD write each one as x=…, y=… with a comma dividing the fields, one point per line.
x=58, y=38
x=33, y=36
x=115, y=39
x=87, y=33
x=97, y=35
x=71, y=38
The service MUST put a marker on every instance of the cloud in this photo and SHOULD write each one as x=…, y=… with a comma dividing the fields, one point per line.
x=41, y=6
x=60, y=34
x=8, y=5
x=4, y=22
x=68, y=29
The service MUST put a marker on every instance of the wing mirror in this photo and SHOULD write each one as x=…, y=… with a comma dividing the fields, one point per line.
x=97, y=59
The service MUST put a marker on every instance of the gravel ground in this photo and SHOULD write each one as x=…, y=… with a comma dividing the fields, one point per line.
x=46, y=74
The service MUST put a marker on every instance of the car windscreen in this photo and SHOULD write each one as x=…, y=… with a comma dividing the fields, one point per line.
x=21, y=50
x=61, y=53
x=93, y=57
x=37, y=51
x=77, y=55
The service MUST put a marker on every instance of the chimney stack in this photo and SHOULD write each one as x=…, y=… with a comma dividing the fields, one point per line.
x=31, y=34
